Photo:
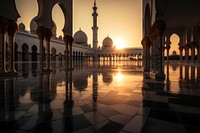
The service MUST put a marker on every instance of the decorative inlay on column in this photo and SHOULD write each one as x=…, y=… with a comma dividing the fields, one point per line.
x=48, y=35
x=153, y=51
x=41, y=34
x=146, y=43
x=12, y=29
x=71, y=40
x=157, y=30
x=181, y=53
x=66, y=40
x=3, y=28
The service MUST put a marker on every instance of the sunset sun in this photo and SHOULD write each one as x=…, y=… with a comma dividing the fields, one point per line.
x=119, y=43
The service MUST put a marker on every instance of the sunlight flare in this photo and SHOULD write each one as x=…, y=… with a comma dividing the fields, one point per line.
x=119, y=43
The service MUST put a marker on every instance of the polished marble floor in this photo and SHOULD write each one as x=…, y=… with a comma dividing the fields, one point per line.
x=105, y=97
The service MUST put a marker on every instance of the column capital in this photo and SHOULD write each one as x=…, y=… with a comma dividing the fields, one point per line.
x=146, y=41
x=66, y=39
x=3, y=25
x=41, y=32
x=48, y=34
x=71, y=40
x=12, y=28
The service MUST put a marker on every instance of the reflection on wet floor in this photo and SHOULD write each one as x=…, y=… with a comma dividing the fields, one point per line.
x=100, y=97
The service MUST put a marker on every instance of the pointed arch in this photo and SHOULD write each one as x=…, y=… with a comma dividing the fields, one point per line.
x=34, y=53
x=53, y=54
x=25, y=54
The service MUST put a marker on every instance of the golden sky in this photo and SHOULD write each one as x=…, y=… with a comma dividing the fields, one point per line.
x=121, y=20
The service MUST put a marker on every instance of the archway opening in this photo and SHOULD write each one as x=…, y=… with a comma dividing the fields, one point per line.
x=58, y=18
x=53, y=51
x=34, y=53
x=174, y=39
x=25, y=55
x=27, y=10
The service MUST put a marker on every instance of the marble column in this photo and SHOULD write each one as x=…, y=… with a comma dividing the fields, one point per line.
x=12, y=29
x=153, y=55
x=3, y=28
x=186, y=53
x=168, y=48
x=71, y=40
x=181, y=53
x=146, y=53
x=198, y=53
x=193, y=45
x=41, y=33
x=159, y=29
x=163, y=49
x=156, y=34
x=48, y=35
x=66, y=40
x=168, y=43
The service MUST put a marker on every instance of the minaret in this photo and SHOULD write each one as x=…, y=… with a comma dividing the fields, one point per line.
x=95, y=28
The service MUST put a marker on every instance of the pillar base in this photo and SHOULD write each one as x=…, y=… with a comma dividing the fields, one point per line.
x=151, y=84
x=8, y=74
x=157, y=76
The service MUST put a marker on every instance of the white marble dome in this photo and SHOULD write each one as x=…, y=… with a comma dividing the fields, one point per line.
x=33, y=26
x=107, y=42
x=80, y=37
x=22, y=27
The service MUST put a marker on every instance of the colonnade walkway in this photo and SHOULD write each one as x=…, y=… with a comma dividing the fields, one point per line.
x=104, y=97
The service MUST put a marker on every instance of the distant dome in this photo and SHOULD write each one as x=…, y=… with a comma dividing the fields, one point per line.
x=54, y=30
x=33, y=27
x=22, y=27
x=80, y=37
x=60, y=37
x=107, y=42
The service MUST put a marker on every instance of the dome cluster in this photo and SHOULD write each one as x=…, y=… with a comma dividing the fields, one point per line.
x=33, y=27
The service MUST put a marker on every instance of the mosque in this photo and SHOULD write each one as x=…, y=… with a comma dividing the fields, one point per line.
x=159, y=24
x=159, y=94
x=27, y=45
